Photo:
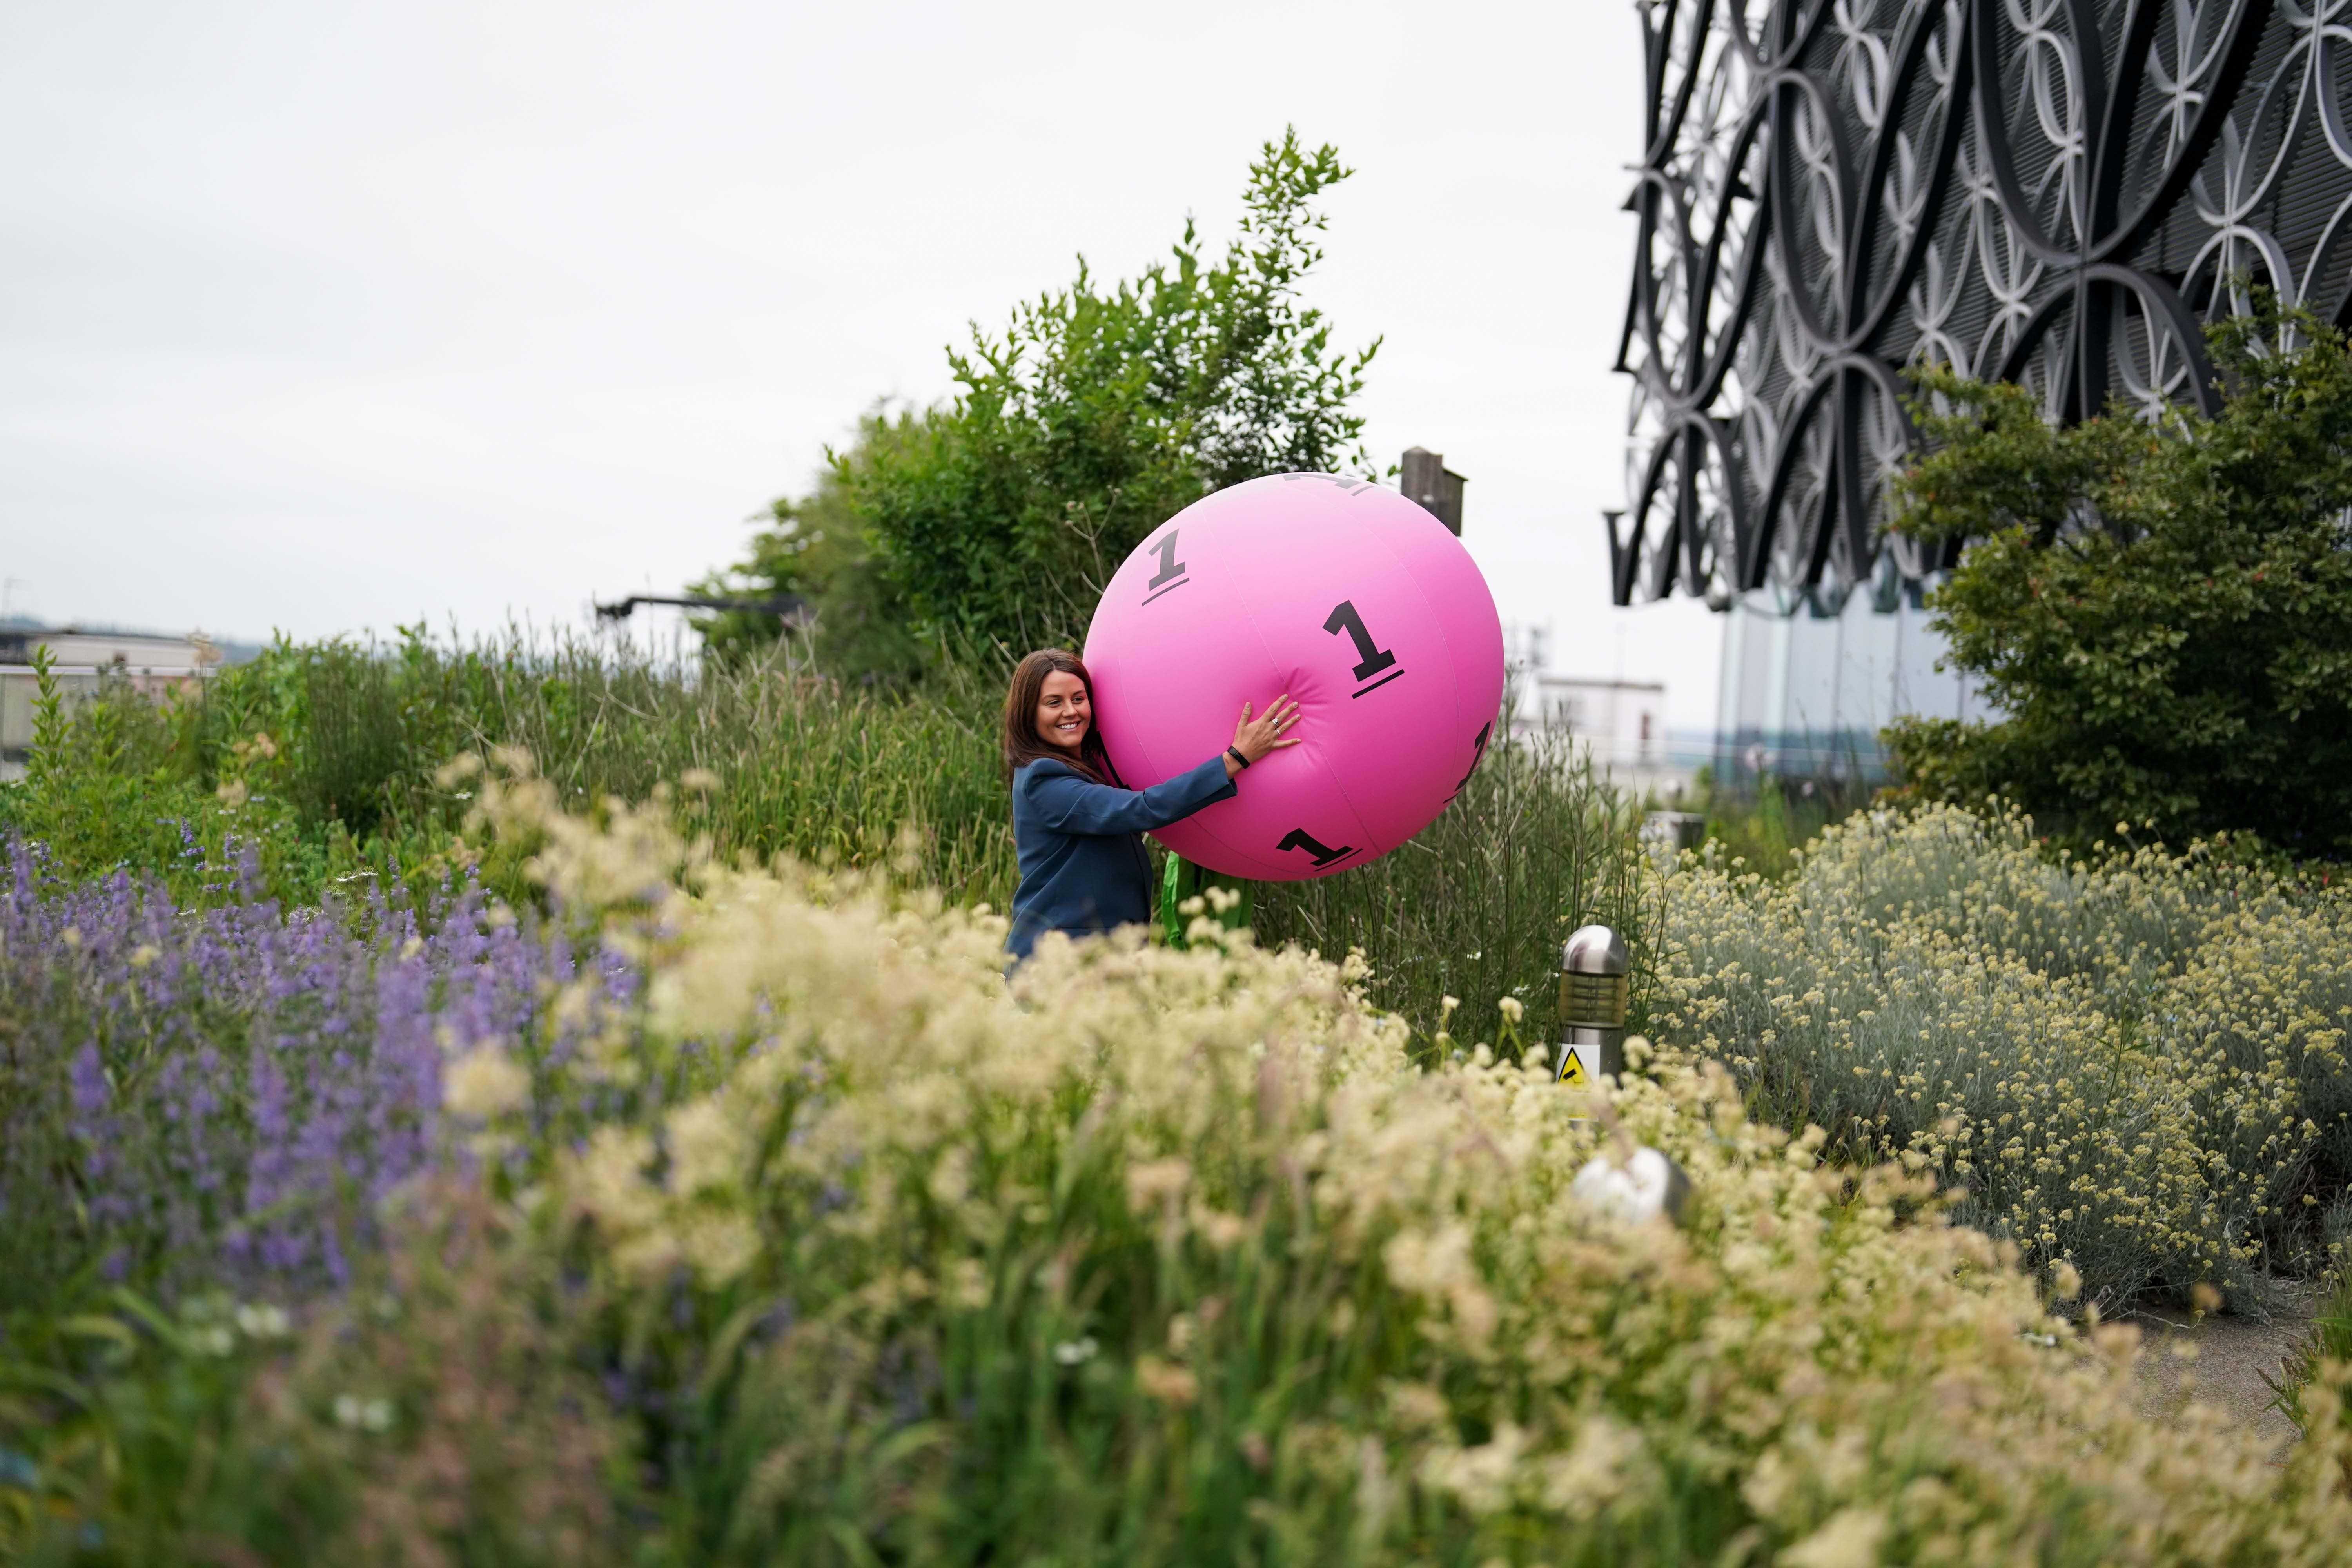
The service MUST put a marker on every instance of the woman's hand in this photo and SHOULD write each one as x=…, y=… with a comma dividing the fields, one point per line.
x=1254, y=738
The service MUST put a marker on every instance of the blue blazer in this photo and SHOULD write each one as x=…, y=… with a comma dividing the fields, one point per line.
x=1082, y=863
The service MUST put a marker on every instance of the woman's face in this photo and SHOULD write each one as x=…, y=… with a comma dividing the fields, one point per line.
x=1062, y=716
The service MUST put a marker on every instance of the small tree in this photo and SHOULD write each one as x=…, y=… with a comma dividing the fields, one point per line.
x=999, y=516
x=2164, y=613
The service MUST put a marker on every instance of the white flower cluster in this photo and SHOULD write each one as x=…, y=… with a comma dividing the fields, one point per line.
x=1200, y=1197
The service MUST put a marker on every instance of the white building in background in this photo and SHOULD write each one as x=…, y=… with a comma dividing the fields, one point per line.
x=1622, y=720
x=80, y=661
x=1621, y=723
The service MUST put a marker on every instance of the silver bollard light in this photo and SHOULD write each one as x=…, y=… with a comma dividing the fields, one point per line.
x=1593, y=981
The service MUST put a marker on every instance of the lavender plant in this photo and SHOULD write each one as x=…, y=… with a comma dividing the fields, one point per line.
x=225, y=1094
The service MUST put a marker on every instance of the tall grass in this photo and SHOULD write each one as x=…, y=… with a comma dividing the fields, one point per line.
x=1477, y=905
x=1770, y=825
x=324, y=761
x=796, y=765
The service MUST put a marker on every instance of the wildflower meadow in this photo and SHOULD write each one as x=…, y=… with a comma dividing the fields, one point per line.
x=716, y=1213
x=567, y=1176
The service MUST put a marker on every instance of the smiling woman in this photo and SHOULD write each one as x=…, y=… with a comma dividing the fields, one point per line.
x=1082, y=865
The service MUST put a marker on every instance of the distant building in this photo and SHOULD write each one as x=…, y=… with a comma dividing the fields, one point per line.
x=2064, y=197
x=1623, y=723
x=1804, y=693
x=80, y=660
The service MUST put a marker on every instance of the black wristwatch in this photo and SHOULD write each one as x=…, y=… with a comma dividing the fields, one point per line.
x=1235, y=753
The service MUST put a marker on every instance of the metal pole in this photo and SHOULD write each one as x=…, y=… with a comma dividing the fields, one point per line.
x=1594, y=971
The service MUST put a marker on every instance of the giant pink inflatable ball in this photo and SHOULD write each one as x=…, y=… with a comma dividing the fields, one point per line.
x=1348, y=597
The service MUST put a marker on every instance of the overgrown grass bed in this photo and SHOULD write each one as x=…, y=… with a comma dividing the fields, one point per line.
x=755, y=1220
x=318, y=769
x=409, y=1163
x=324, y=761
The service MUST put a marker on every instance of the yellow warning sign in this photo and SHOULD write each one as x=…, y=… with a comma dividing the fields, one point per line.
x=1572, y=1069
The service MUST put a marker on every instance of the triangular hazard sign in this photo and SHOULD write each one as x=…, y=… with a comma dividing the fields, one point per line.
x=1572, y=1071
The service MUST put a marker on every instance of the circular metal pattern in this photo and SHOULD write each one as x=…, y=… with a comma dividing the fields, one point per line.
x=2060, y=192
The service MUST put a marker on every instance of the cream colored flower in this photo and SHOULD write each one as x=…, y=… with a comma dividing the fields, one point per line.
x=1845, y=1366
x=608, y=1180
x=1850, y=1540
x=708, y=1149
x=1151, y=1183
x=1168, y=1384
x=1597, y=1471
x=1429, y=1264
x=1220, y=1230
x=1482, y=1478
x=484, y=1084
x=719, y=1248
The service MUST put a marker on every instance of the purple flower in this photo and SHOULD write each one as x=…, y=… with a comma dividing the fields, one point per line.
x=228, y=1094
x=89, y=1090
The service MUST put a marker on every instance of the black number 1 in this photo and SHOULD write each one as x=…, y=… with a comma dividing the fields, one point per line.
x=1170, y=567
x=1371, y=657
x=1320, y=853
x=1478, y=755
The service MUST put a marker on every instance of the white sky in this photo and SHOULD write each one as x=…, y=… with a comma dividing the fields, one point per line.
x=328, y=317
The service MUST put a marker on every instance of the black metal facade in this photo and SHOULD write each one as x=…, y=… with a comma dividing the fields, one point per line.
x=2050, y=192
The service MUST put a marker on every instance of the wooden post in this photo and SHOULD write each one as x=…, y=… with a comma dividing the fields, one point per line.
x=1427, y=480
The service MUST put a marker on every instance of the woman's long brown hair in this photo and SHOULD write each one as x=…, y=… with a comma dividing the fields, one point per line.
x=1021, y=742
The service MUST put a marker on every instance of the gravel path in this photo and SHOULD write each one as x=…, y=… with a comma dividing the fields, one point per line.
x=2232, y=1354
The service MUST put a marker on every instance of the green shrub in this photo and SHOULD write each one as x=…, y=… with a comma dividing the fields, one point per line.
x=2137, y=1068
x=111, y=785
x=2327, y=1341
x=1764, y=826
x=857, y=625
x=431, y=1415
x=2162, y=615
x=1099, y=413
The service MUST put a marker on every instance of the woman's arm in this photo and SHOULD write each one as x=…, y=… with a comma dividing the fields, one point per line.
x=1068, y=804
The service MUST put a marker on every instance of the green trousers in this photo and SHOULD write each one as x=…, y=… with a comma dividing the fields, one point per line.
x=1181, y=880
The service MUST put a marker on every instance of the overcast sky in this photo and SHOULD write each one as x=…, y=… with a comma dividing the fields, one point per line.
x=331, y=317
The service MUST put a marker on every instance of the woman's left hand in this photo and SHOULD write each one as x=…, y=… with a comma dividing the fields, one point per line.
x=1254, y=738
